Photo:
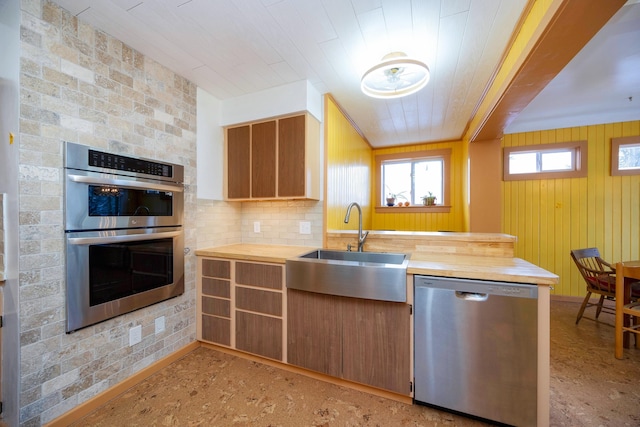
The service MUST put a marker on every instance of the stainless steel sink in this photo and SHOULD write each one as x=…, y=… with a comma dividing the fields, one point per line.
x=370, y=275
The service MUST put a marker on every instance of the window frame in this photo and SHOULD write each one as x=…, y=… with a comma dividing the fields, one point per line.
x=579, y=153
x=409, y=156
x=616, y=143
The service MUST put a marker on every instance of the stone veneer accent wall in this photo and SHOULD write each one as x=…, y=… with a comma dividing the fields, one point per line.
x=80, y=84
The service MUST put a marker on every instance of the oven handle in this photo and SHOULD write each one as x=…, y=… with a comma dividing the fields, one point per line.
x=123, y=183
x=120, y=239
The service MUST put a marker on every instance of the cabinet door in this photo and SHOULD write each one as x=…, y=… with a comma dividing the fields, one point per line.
x=263, y=159
x=260, y=335
x=238, y=162
x=291, y=157
x=314, y=332
x=376, y=343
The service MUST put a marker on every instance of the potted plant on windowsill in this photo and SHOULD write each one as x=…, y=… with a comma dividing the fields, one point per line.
x=392, y=197
x=429, y=199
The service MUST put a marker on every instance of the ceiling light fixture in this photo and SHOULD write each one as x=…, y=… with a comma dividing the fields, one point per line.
x=397, y=75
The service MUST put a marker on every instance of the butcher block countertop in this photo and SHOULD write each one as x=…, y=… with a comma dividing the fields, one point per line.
x=252, y=252
x=445, y=265
x=480, y=267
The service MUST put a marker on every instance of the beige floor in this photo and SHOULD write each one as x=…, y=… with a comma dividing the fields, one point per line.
x=589, y=387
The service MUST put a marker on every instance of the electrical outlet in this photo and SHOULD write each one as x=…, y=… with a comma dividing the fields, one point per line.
x=256, y=227
x=160, y=324
x=135, y=335
x=305, y=227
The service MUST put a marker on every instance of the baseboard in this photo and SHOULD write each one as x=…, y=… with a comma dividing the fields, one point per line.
x=95, y=402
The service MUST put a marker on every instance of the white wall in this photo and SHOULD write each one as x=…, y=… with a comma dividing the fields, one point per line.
x=9, y=107
x=286, y=99
x=210, y=140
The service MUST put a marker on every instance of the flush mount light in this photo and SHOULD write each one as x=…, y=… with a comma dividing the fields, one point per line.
x=397, y=75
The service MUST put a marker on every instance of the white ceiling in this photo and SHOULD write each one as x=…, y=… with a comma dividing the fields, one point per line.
x=236, y=47
x=600, y=85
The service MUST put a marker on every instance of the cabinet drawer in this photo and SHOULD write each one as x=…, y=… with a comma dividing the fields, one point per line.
x=216, y=287
x=216, y=329
x=266, y=302
x=259, y=334
x=216, y=268
x=261, y=275
x=215, y=306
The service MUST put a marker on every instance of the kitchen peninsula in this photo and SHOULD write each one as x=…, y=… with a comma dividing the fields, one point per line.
x=243, y=304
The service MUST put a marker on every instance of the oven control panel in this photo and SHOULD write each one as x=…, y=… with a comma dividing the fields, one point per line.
x=92, y=159
x=123, y=163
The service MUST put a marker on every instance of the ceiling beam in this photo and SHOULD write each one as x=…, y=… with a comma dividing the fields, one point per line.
x=575, y=23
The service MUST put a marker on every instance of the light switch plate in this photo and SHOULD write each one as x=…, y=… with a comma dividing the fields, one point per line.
x=135, y=335
x=305, y=227
x=256, y=227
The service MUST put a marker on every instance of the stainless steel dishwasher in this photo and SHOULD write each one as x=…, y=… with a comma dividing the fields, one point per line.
x=476, y=348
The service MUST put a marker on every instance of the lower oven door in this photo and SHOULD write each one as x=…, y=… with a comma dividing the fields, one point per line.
x=112, y=272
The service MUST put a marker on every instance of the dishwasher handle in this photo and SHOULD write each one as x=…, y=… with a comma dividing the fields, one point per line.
x=471, y=296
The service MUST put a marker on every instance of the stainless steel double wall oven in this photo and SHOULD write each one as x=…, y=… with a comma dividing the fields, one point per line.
x=124, y=234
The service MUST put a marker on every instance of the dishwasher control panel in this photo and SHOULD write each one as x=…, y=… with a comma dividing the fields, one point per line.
x=489, y=287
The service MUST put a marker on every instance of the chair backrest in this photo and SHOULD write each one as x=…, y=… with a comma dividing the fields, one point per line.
x=597, y=273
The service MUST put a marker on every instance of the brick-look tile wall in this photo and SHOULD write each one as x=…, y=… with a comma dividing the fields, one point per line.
x=280, y=222
x=218, y=223
x=80, y=84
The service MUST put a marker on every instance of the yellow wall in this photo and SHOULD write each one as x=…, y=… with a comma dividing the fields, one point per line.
x=551, y=217
x=349, y=166
x=455, y=220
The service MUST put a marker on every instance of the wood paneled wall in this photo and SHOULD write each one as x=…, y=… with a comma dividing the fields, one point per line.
x=454, y=220
x=349, y=169
x=551, y=217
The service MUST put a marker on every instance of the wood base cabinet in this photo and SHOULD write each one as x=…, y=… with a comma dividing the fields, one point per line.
x=360, y=340
x=314, y=332
x=240, y=305
x=214, y=301
x=258, y=303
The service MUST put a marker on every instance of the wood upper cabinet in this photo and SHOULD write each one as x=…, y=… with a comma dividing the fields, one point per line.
x=263, y=160
x=291, y=156
x=360, y=340
x=238, y=162
x=274, y=159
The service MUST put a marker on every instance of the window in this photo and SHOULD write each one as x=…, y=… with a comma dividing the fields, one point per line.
x=411, y=176
x=548, y=161
x=625, y=156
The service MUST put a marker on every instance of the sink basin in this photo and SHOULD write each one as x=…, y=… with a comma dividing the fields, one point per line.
x=370, y=275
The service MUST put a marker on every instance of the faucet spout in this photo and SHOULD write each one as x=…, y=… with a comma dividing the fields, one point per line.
x=361, y=236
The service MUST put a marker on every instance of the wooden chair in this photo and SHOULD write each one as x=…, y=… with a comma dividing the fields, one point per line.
x=627, y=310
x=599, y=276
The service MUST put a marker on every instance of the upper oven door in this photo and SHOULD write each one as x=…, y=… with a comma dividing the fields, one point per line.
x=97, y=201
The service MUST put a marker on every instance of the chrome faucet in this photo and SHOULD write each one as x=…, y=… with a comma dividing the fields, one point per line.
x=361, y=236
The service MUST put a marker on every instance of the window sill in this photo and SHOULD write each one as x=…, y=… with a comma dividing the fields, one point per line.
x=413, y=209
